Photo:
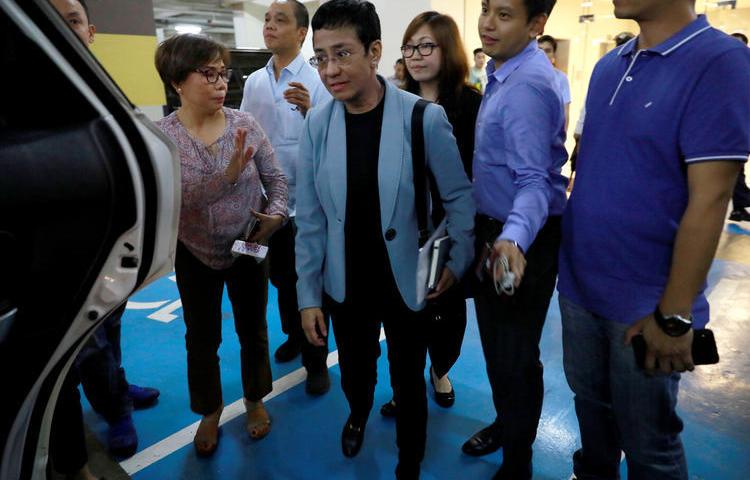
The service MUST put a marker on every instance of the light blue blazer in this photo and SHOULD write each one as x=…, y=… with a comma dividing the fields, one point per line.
x=321, y=197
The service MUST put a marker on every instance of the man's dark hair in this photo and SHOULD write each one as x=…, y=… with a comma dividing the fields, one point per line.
x=179, y=56
x=301, y=16
x=538, y=7
x=88, y=16
x=356, y=14
x=623, y=38
x=477, y=50
x=740, y=36
x=548, y=39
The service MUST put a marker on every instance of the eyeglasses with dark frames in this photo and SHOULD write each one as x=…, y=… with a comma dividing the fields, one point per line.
x=213, y=75
x=424, y=49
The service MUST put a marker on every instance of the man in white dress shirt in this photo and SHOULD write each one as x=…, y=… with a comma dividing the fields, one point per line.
x=279, y=96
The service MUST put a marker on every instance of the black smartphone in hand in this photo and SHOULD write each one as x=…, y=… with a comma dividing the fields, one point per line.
x=704, y=349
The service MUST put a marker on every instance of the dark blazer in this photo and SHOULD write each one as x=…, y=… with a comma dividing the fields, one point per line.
x=462, y=114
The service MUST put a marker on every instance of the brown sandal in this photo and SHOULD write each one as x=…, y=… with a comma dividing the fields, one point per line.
x=257, y=423
x=207, y=436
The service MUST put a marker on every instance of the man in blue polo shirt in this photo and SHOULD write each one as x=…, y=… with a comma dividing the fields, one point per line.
x=520, y=195
x=661, y=148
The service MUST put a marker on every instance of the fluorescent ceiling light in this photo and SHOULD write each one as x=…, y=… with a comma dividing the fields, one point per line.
x=187, y=28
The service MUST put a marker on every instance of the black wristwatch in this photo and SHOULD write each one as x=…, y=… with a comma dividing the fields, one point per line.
x=673, y=325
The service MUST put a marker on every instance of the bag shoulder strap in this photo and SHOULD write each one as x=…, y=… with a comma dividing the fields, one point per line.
x=419, y=166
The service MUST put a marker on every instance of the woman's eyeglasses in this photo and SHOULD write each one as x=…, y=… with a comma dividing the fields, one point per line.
x=212, y=76
x=424, y=49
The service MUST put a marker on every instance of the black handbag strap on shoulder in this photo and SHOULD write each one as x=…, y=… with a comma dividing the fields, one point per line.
x=419, y=165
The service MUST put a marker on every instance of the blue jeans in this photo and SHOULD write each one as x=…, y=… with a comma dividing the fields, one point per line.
x=618, y=406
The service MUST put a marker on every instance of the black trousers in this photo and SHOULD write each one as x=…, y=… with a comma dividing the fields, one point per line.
x=201, y=289
x=284, y=278
x=741, y=194
x=356, y=326
x=510, y=329
x=445, y=326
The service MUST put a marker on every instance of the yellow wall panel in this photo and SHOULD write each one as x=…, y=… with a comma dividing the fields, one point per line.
x=129, y=59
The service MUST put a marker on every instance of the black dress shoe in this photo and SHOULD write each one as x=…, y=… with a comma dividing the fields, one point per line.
x=740, y=215
x=317, y=383
x=445, y=400
x=389, y=409
x=486, y=440
x=352, y=436
x=287, y=351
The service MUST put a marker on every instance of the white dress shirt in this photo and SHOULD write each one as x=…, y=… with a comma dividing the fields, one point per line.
x=282, y=121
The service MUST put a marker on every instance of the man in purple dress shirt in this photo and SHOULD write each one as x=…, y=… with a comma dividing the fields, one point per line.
x=520, y=195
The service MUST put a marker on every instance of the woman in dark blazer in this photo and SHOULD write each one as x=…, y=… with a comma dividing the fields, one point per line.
x=436, y=70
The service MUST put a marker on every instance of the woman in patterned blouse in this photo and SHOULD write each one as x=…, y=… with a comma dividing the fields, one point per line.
x=227, y=164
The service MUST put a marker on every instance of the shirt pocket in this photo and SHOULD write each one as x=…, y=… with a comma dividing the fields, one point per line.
x=290, y=121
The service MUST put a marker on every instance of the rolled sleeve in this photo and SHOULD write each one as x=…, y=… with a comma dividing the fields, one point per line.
x=528, y=124
x=271, y=175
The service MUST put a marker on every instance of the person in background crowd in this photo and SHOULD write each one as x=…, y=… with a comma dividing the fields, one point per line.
x=227, y=164
x=436, y=69
x=477, y=73
x=620, y=39
x=520, y=195
x=399, y=72
x=357, y=233
x=548, y=45
x=641, y=229
x=741, y=194
x=98, y=366
x=279, y=96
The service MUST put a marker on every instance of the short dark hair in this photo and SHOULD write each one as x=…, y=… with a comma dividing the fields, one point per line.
x=85, y=10
x=180, y=55
x=740, y=36
x=548, y=39
x=623, y=38
x=357, y=14
x=478, y=50
x=538, y=7
x=301, y=16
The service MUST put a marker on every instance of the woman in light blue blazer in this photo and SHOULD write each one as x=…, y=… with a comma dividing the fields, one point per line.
x=357, y=234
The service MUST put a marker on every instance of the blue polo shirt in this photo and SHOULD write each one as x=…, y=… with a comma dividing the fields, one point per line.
x=520, y=146
x=649, y=115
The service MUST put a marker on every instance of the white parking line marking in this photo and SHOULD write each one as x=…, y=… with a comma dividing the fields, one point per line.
x=184, y=437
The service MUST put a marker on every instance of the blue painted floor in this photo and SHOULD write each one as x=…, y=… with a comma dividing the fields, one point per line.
x=304, y=441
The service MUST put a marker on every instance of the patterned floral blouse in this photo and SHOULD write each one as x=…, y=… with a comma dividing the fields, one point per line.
x=215, y=212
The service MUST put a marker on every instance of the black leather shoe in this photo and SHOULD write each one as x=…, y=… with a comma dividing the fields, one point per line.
x=485, y=441
x=445, y=400
x=287, y=351
x=317, y=383
x=352, y=436
x=389, y=409
x=740, y=215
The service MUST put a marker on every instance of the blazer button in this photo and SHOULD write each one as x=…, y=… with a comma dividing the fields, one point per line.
x=390, y=234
